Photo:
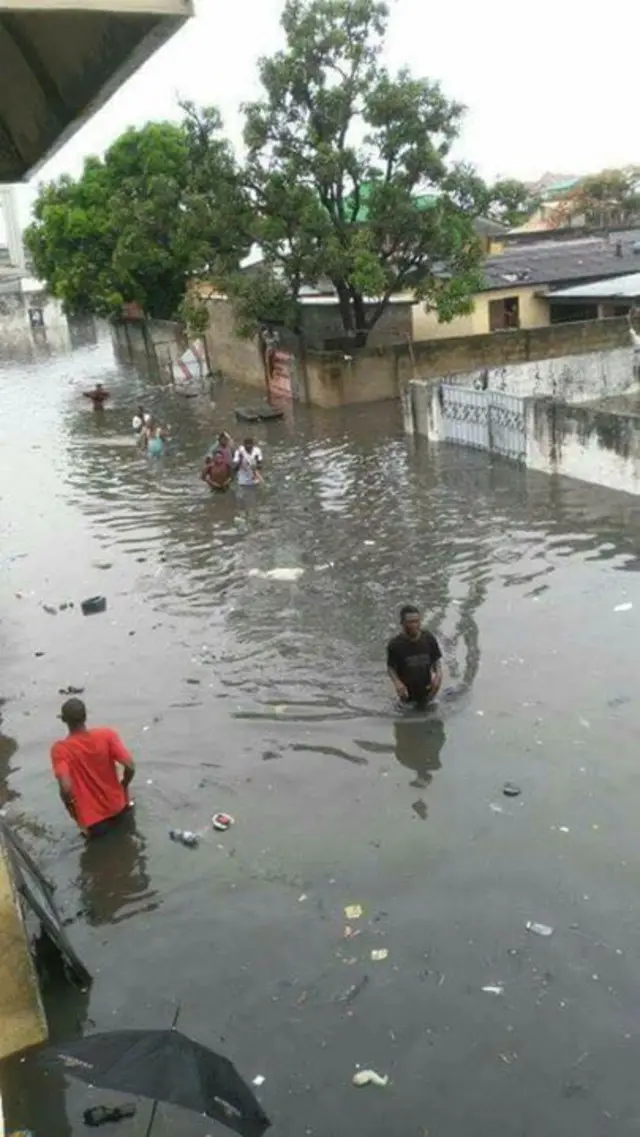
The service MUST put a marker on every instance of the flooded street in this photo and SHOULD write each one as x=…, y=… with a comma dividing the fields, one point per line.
x=270, y=700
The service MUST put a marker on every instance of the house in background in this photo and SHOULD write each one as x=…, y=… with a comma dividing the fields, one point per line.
x=555, y=193
x=518, y=283
x=616, y=296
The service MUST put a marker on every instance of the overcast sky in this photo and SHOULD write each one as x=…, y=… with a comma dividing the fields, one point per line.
x=548, y=86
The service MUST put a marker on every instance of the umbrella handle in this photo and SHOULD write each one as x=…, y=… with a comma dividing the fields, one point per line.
x=152, y=1117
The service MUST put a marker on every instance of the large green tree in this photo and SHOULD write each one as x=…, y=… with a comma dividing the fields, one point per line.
x=349, y=178
x=136, y=225
x=609, y=198
x=511, y=202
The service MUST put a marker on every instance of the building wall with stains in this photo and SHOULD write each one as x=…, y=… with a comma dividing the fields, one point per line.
x=589, y=443
x=573, y=378
x=533, y=313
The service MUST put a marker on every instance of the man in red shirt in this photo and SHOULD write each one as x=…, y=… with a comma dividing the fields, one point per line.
x=86, y=765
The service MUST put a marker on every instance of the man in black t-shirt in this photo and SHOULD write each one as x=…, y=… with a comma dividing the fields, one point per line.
x=414, y=660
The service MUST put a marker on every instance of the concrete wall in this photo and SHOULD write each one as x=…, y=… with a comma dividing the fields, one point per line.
x=238, y=359
x=584, y=442
x=334, y=381
x=22, y=1018
x=534, y=313
x=16, y=333
x=160, y=340
x=374, y=374
x=573, y=378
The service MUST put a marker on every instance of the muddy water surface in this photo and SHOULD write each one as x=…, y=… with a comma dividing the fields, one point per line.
x=269, y=700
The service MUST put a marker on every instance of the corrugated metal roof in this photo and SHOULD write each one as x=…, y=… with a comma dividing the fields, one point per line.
x=616, y=288
x=561, y=262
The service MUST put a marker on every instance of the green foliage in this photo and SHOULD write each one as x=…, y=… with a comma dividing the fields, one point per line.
x=136, y=225
x=510, y=202
x=611, y=197
x=348, y=177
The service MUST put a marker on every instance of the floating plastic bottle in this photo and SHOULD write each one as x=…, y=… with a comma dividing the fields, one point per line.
x=185, y=837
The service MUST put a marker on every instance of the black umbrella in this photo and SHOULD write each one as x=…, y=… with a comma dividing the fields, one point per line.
x=167, y=1066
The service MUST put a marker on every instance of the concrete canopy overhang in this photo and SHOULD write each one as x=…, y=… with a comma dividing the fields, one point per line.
x=60, y=60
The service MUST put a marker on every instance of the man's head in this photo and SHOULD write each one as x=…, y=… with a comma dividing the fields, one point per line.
x=73, y=714
x=410, y=620
x=98, y=386
x=223, y=438
x=248, y=444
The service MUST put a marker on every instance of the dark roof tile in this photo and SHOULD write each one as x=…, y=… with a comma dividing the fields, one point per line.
x=557, y=262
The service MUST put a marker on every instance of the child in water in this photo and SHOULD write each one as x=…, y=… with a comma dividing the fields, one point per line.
x=156, y=442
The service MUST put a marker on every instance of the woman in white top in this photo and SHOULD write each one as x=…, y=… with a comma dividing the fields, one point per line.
x=247, y=460
x=138, y=420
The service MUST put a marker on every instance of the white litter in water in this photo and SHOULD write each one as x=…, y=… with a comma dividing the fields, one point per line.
x=494, y=989
x=370, y=1078
x=259, y=1080
x=284, y=574
x=369, y=542
x=626, y=607
x=378, y=954
x=539, y=929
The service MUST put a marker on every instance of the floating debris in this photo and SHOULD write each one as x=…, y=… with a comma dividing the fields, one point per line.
x=378, y=954
x=370, y=1078
x=538, y=929
x=353, y=911
x=510, y=789
x=352, y=992
x=288, y=575
x=626, y=607
x=93, y=605
x=259, y=1080
x=494, y=989
x=222, y=821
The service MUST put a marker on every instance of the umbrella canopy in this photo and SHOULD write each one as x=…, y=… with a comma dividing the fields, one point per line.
x=167, y=1066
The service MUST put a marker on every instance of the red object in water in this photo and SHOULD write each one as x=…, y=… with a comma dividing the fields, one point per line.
x=221, y=821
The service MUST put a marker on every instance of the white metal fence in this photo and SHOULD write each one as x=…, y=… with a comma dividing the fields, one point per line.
x=485, y=420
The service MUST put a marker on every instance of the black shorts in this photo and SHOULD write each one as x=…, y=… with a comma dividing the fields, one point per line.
x=418, y=700
x=109, y=823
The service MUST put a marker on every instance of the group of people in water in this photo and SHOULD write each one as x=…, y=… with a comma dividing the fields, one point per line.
x=224, y=461
x=151, y=435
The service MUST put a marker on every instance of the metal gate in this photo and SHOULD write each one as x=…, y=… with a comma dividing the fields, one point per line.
x=486, y=420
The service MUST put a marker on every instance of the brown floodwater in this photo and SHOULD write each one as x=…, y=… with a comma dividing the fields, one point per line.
x=268, y=699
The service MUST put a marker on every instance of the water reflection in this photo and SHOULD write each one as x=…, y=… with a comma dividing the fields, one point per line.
x=113, y=881
x=419, y=740
x=32, y=1092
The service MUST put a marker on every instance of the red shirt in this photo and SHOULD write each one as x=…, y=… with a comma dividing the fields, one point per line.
x=88, y=758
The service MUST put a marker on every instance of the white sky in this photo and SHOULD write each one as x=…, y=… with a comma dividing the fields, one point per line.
x=549, y=86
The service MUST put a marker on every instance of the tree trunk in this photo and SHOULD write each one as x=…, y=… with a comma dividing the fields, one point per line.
x=359, y=319
x=344, y=302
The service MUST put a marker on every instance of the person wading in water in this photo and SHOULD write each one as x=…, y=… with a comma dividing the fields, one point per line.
x=87, y=766
x=414, y=660
x=98, y=396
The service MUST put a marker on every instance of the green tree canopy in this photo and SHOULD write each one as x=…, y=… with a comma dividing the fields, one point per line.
x=510, y=202
x=138, y=223
x=611, y=197
x=348, y=176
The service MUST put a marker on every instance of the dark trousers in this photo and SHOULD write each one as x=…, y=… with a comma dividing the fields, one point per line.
x=109, y=823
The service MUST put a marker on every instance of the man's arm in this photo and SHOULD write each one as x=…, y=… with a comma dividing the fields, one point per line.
x=392, y=663
x=436, y=668
x=66, y=794
x=122, y=757
x=65, y=785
